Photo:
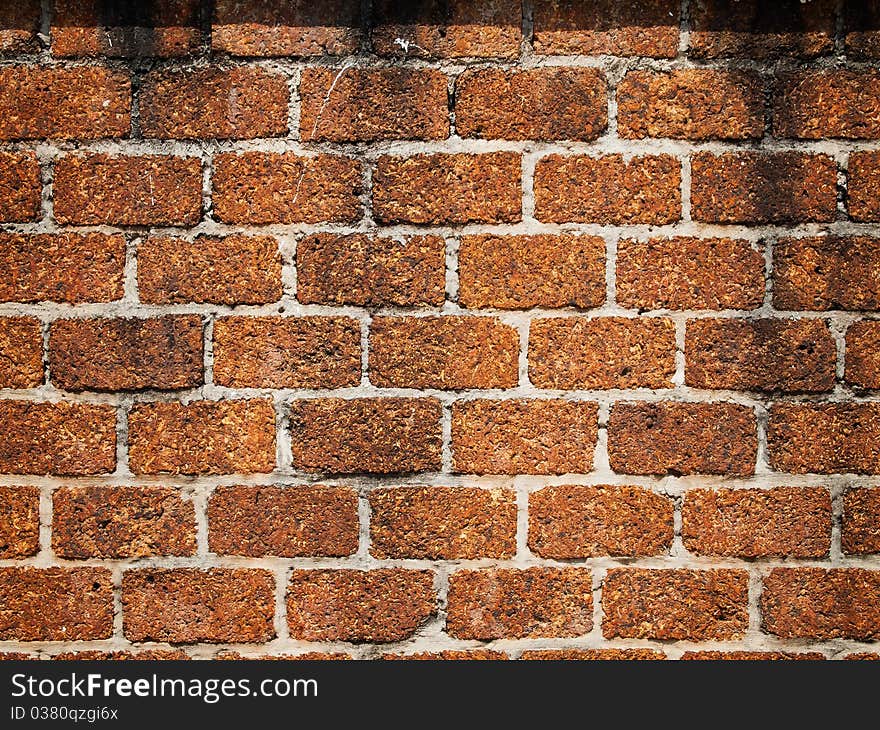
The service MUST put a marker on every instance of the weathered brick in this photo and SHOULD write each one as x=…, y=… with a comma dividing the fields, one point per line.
x=366, y=435
x=523, y=436
x=573, y=521
x=68, y=439
x=757, y=523
x=442, y=523
x=291, y=522
x=162, y=353
x=378, y=606
x=18, y=656
x=122, y=522
x=864, y=186
x=19, y=25
x=203, y=437
x=304, y=657
x=21, y=352
x=592, y=655
x=450, y=655
x=452, y=353
x=860, y=534
x=750, y=656
x=19, y=522
x=287, y=352
x=267, y=187
x=608, y=190
x=188, y=605
x=141, y=190
x=863, y=354
x=862, y=656
x=20, y=187
x=861, y=28
x=150, y=655
x=516, y=604
x=574, y=353
x=759, y=187
x=448, y=188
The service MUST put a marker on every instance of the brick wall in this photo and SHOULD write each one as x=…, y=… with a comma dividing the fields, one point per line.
x=473, y=329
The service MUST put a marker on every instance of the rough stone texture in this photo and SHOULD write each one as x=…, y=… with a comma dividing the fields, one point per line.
x=862, y=656
x=523, y=436
x=451, y=353
x=19, y=25
x=750, y=656
x=19, y=522
x=21, y=352
x=861, y=28
x=150, y=655
x=290, y=522
x=306, y=656
x=860, y=529
x=378, y=606
x=863, y=355
x=682, y=438
x=450, y=655
x=442, y=523
x=20, y=187
x=572, y=521
x=591, y=655
x=864, y=186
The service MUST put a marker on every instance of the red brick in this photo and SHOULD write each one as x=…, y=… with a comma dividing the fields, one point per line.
x=365, y=105
x=187, y=605
x=448, y=188
x=20, y=187
x=750, y=656
x=291, y=522
x=452, y=353
x=267, y=187
x=592, y=655
x=574, y=353
x=758, y=523
x=696, y=605
x=366, y=435
x=863, y=354
x=442, y=523
x=451, y=655
x=203, y=437
x=55, y=604
x=21, y=352
x=122, y=522
x=820, y=603
x=162, y=353
x=19, y=522
x=68, y=439
x=516, y=604
x=860, y=534
x=689, y=273
x=521, y=272
x=18, y=656
x=541, y=104
x=142, y=190
x=19, y=25
x=861, y=23
x=864, y=186
x=523, y=436
x=304, y=657
x=214, y=103
x=377, y=606
x=150, y=655
x=862, y=656
x=608, y=190
x=287, y=352
x=573, y=521
x=763, y=187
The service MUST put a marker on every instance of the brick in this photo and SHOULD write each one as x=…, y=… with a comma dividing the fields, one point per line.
x=540, y=104
x=573, y=353
x=523, y=436
x=861, y=23
x=19, y=522
x=862, y=656
x=161, y=353
x=590, y=655
x=267, y=187
x=863, y=355
x=150, y=655
x=860, y=534
x=689, y=273
x=608, y=190
x=596, y=27
x=141, y=190
x=751, y=656
x=66, y=267
x=306, y=656
x=365, y=105
x=287, y=352
x=377, y=606
x=67, y=439
x=451, y=353
x=442, y=523
x=757, y=523
x=822, y=603
x=781, y=355
x=369, y=271
x=286, y=28
x=188, y=605
x=762, y=30
x=517, y=604
x=18, y=656
x=696, y=605
x=20, y=187
x=521, y=272
x=824, y=438
x=291, y=522
x=439, y=189
x=758, y=187
x=19, y=25
x=21, y=352
x=572, y=521
x=214, y=103
x=55, y=604
x=692, y=103
x=366, y=435
x=122, y=522
x=203, y=437
x=826, y=272
x=451, y=655
x=864, y=186
x=447, y=28
x=209, y=270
